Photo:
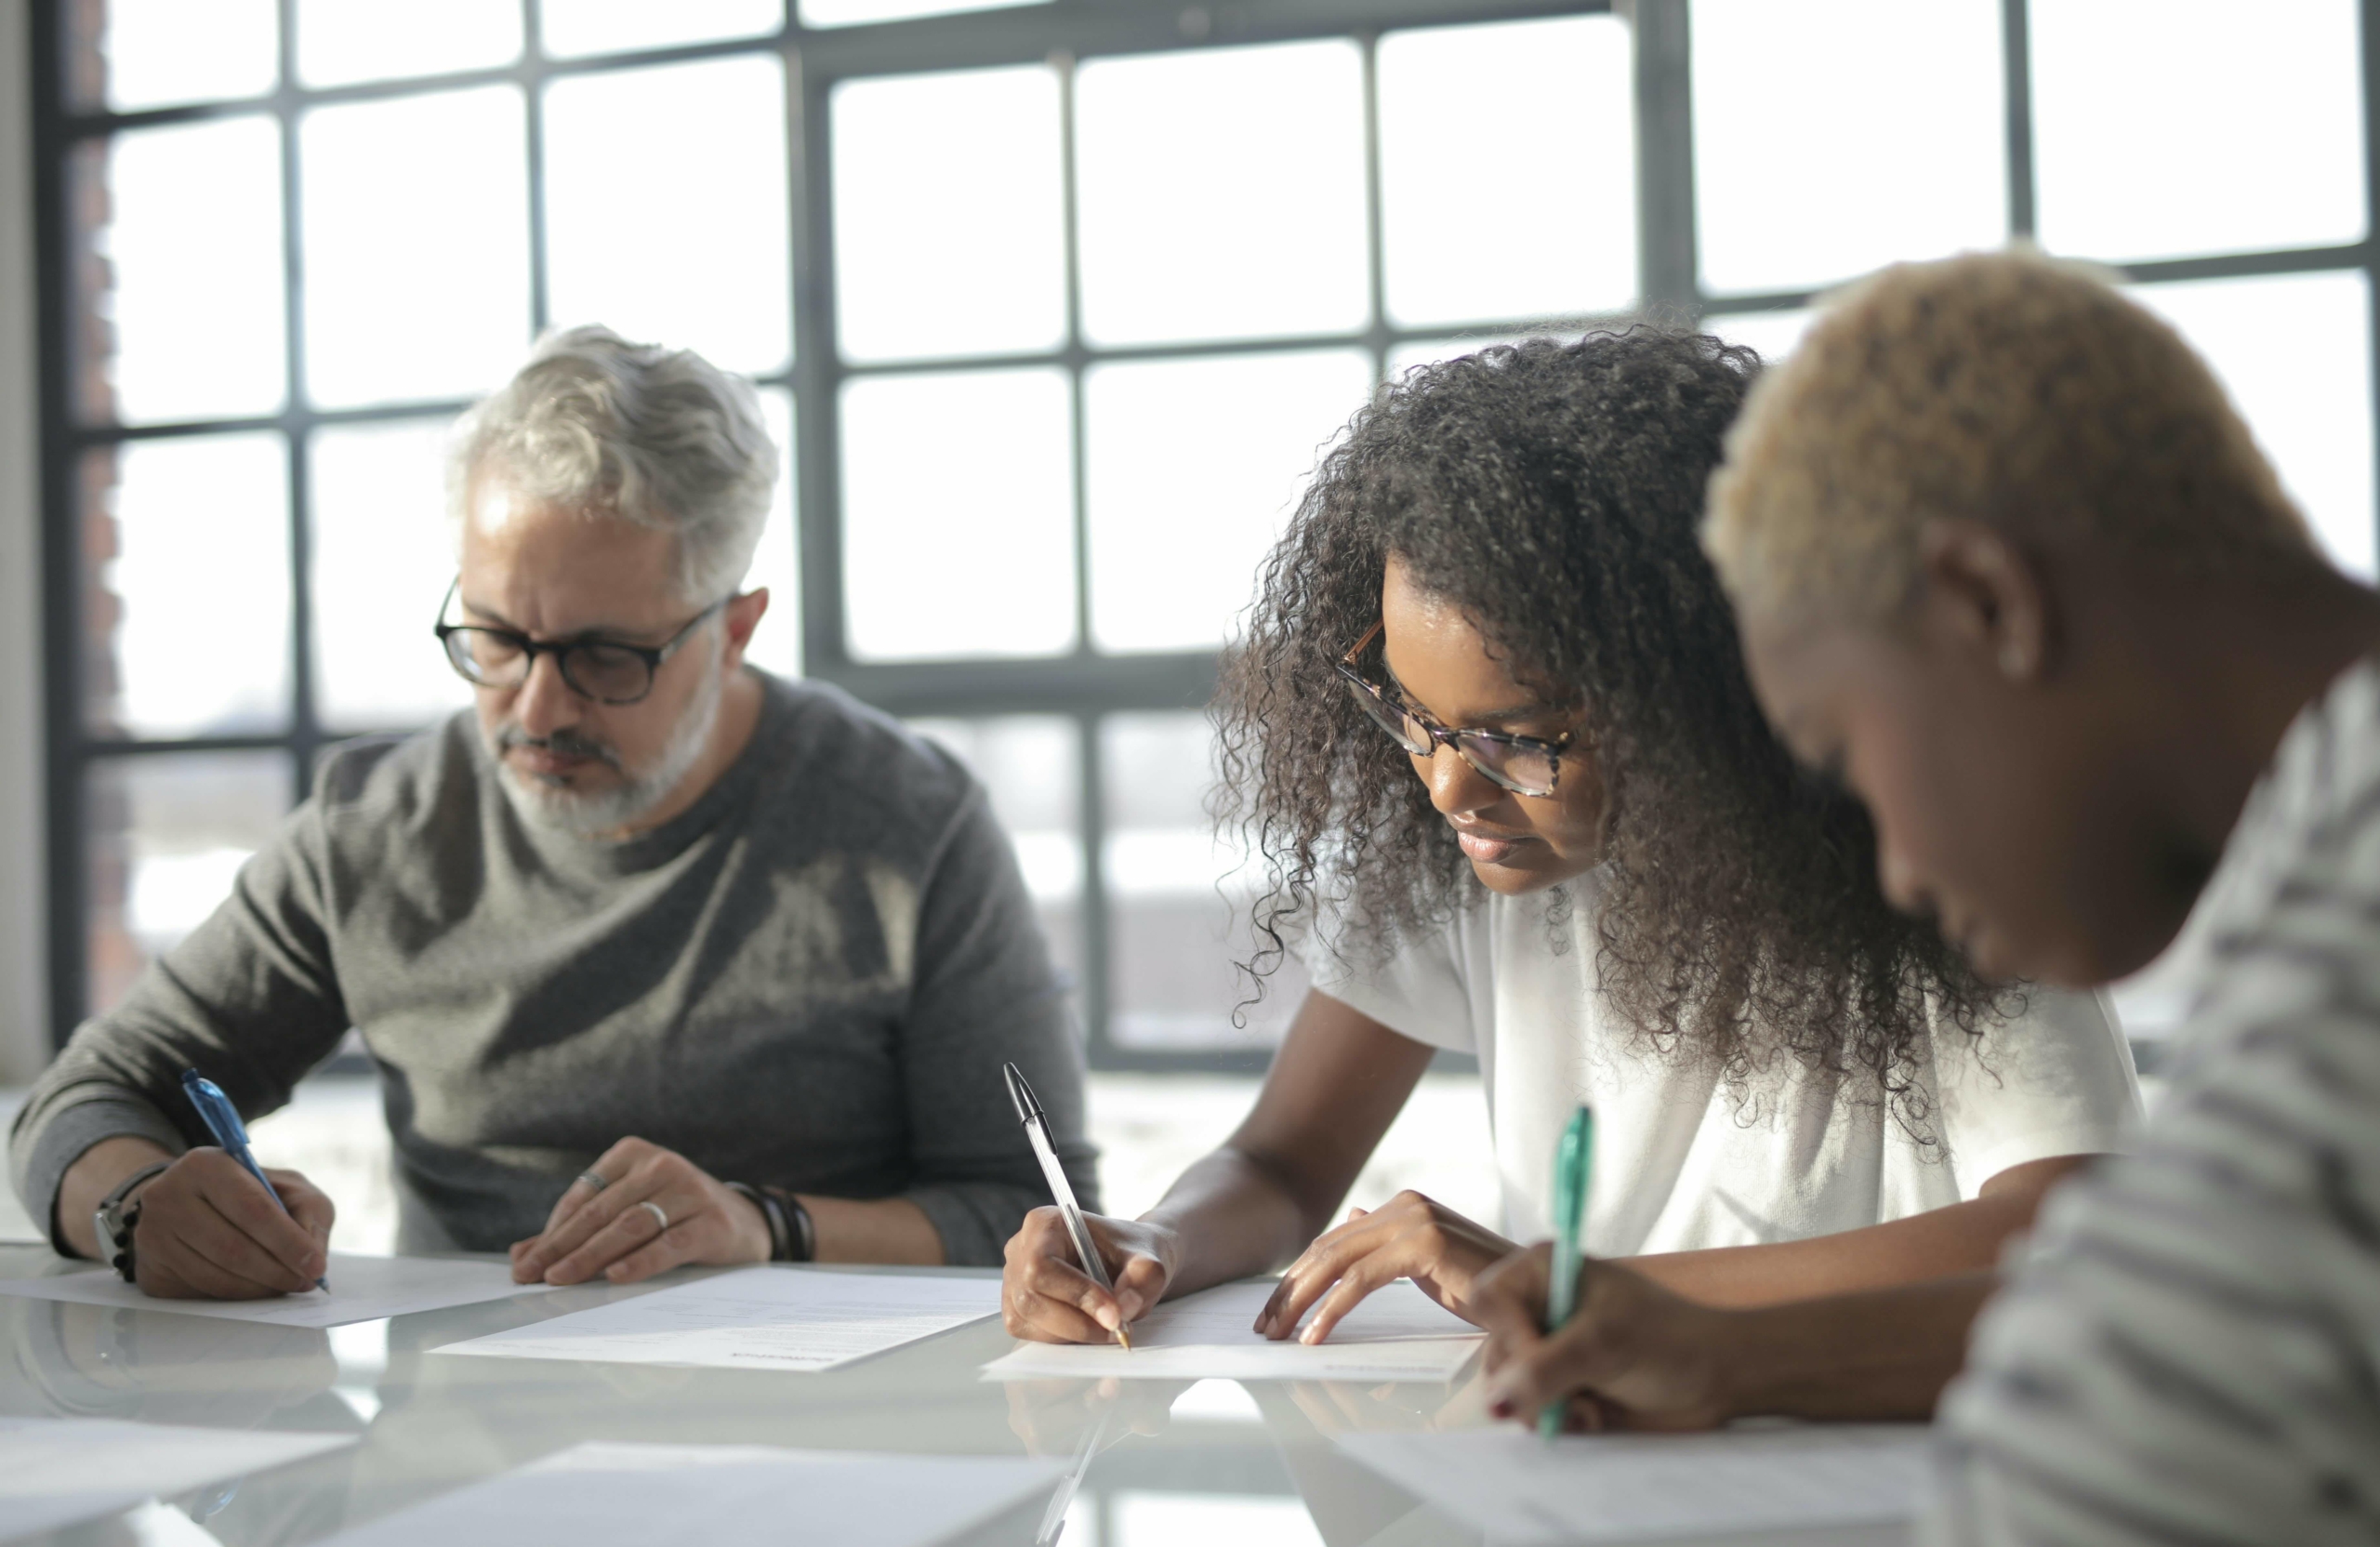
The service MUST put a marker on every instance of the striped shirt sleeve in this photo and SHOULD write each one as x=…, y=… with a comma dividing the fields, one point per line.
x=2188, y=1350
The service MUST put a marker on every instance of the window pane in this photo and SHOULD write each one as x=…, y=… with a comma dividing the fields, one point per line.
x=1031, y=766
x=848, y=13
x=1404, y=357
x=342, y=41
x=2294, y=351
x=1221, y=192
x=570, y=27
x=2225, y=127
x=1194, y=464
x=1173, y=938
x=1773, y=334
x=1508, y=170
x=193, y=251
x=776, y=644
x=958, y=515
x=198, y=592
x=948, y=215
x=156, y=53
x=166, y=835
x=666, y=207
x=416, y=247
x=384, y=555
x=1833, y=138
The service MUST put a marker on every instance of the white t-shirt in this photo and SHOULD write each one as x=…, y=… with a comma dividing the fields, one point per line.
x=1680, y=1164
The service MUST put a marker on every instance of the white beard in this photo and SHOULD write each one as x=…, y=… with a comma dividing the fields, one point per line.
x=601, y=813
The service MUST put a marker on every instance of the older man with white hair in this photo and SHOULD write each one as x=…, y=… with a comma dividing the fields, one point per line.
x=662, y=959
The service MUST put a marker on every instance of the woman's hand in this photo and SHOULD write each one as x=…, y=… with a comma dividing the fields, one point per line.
x=691, y=1218
x=1045, y=1297
x=1634, y=1357
x=1409, y=1236
x=1053, y=1418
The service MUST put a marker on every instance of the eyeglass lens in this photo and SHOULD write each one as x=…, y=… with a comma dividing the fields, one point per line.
x=1523, y=769
x=598, y=670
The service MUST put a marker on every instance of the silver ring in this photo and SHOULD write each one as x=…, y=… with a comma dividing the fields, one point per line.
x=658, y=1217
x=593, y=1181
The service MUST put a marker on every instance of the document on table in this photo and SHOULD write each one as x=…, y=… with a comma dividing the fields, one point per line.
x=1522, y=1491
x=56, y=1471
x=1396, y=1334
x=755, y=1318
x=362, y=1288
x=602, y=1494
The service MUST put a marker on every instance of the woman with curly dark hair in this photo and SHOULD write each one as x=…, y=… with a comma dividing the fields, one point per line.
x=1490, y=731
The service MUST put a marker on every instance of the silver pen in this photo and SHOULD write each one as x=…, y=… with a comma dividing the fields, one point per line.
x=1037, y=1130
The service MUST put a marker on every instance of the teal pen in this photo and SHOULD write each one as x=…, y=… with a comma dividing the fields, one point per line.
x=1573, y=1164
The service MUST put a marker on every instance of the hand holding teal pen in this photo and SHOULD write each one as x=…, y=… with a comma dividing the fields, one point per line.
x=223, y=1120
x=1573, y=1168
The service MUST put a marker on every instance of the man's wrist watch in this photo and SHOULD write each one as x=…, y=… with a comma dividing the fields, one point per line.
x=114, y=1219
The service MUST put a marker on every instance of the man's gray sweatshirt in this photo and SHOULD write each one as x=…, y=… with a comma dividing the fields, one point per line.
x=809, y=979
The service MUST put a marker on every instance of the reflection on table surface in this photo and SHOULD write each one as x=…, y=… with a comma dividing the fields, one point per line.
x=1154, y=1463
x=1161, y=1462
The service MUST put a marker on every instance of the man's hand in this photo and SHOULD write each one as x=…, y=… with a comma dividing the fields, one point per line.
x=207, y=1231
x=1045, y=1298
x=1409, y=1236
x=610, y=1231
x=1634, y=1357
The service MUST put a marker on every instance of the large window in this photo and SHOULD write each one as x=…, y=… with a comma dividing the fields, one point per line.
x=1053, y=306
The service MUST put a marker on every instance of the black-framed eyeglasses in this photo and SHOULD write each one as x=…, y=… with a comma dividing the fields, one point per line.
x=609, y=672
x=1526, y=765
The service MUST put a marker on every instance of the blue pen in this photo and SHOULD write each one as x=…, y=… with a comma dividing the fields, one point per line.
x=222, y=1119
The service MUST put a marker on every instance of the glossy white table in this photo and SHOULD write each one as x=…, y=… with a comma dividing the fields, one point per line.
x=1214, y=1464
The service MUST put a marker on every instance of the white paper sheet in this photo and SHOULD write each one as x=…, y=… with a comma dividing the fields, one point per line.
x=599, y=1494
x=362, y=1288
x=1396, y=1334
x=1596, y=1489
x=56, y=1471
x=755, y=1318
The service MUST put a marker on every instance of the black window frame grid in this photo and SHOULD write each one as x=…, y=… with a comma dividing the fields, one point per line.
x=1082, y=686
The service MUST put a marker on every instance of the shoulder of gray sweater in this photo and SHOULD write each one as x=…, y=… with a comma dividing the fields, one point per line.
x=866, y=763
x=377, y=788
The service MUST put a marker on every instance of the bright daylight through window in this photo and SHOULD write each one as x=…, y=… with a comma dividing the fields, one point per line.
x=1052, y=308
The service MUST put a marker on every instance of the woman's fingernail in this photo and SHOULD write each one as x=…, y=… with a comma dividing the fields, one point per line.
x=1501, y=1407
x=1107, y=1317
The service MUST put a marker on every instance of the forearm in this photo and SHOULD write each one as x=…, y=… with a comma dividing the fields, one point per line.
x=869, y=1230
x=92, y=1176
x=1886, y=1354
x=1231, y=1218
x=1964, y=1237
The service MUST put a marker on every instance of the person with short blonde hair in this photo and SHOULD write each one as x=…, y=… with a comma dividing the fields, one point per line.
x=2019, y=390
x=2007, y=563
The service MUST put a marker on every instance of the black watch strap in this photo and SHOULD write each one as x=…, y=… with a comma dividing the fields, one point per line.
x=801, y=1234
x=772, y=1214
x=115, y=1220
x=792, y=1239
